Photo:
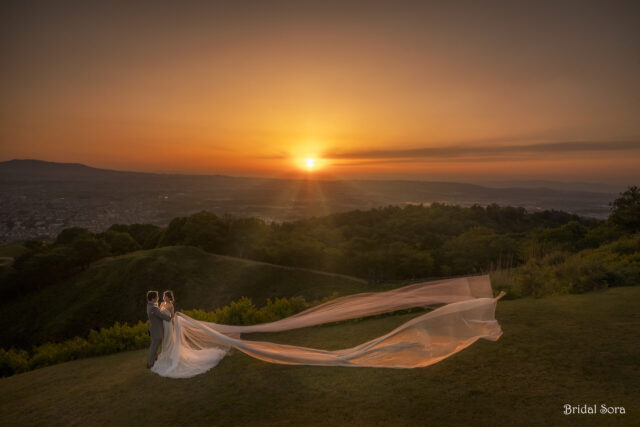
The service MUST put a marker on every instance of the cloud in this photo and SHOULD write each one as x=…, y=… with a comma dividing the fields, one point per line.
x=480, y=151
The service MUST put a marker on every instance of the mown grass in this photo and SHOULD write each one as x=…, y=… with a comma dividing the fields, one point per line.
x=572, y=349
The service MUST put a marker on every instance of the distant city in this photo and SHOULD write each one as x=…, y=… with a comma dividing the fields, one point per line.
x=39, y=199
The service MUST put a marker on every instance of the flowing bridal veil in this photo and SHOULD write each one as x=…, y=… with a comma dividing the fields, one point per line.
x=466, y=313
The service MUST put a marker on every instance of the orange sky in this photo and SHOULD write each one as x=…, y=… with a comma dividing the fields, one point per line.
x=421, y=90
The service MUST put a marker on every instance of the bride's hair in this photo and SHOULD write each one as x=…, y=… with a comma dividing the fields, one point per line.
x=169, y=294
x=151, y=295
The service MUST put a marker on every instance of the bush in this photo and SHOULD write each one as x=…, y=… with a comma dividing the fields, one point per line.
x=280, y=308
x=205, y=316
x=241, y=312
x=613, y=264
x=537, y=279
x=119, y=337
x=506, y=280
x=244, y=312
x=122, y=337
x=13, y=361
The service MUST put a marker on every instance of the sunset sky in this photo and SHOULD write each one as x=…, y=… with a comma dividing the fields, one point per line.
x=423, y=90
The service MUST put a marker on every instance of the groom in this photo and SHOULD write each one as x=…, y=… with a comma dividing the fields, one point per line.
x=156, y=328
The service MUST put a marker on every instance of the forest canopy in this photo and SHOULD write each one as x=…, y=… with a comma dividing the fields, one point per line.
x=385, y=244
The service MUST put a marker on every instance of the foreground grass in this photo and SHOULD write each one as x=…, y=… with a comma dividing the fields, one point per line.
x=573, y=349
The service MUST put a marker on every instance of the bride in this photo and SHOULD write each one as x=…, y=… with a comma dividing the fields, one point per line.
x=167, y=303
x=173, y=362
x=465, y=313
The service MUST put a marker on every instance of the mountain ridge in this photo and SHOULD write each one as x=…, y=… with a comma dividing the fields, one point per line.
x=18, y=164
x=40, y=199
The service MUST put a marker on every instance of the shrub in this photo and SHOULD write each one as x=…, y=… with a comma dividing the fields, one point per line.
x=123, y=337
x=202, y=315
x=537, y=279
x=280, y=308
x=119, y=337
x=506, y=280
x=244, y=312
x=13, y=361
x=613, y=264
x=241, y=312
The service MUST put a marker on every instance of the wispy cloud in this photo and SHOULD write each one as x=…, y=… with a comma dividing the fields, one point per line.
x=479, y=151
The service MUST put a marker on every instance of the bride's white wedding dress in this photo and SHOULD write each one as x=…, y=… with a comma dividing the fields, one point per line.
x=176, y=361
x=191, y=347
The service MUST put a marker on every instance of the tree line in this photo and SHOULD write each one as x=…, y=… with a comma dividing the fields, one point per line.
x=383, y=244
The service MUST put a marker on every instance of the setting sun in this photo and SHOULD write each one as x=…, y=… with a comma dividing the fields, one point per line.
x=310, y=163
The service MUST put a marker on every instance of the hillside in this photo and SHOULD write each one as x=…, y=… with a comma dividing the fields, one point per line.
x=114, y=289
x=576, y=349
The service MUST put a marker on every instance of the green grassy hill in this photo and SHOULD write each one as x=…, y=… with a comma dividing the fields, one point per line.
x=114, y=289
x=576, y=349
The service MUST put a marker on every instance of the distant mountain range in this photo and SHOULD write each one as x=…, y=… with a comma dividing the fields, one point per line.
x=40, y=198
x=601, y=187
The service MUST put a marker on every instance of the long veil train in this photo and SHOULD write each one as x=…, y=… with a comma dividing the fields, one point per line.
x=192, y=347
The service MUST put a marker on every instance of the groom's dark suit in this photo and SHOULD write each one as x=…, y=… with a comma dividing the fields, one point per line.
x=156, y=330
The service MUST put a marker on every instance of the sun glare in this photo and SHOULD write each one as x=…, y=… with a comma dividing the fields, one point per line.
x=310, y=163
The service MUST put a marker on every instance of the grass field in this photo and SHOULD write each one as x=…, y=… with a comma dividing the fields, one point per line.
x=576, y=349
x=114, y=289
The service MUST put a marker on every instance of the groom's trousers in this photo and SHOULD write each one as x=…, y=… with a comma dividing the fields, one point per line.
x=153, y=351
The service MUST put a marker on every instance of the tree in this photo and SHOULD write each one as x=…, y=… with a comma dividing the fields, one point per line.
x=86, y=251
x=402, y=261
x=70, y=235
x=205, y=230
x=147, y=235
x=120, y=242
x=477, y=249
x=37, y=270
x=625, y=210
x=174, y=234
x=245, y=235
x=296, y=250
x=568, y=237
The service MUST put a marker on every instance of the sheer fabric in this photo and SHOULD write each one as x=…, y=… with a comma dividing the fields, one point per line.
x=191, y=347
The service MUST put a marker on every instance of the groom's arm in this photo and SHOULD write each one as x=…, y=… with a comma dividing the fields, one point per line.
x=156, y=311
